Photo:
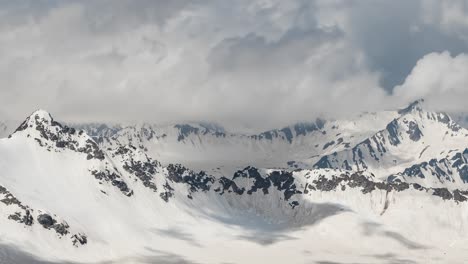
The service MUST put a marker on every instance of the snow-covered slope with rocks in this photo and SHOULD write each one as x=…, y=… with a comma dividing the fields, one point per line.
x=413, y=137
x=66, y=196
x=450, y=170
x=212, y=148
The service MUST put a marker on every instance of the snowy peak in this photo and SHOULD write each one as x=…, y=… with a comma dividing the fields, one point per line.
x=415, y=136
x=415, y=106
x=418, y=108
x=42, y=114
x=38, y=119
x=54, y=136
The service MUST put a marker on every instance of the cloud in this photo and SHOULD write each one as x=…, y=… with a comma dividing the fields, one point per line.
x=451, y=17
x=262, y=64
x=394, y=35
x=440, y=78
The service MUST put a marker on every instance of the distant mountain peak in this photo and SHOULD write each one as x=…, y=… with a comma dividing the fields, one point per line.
x=415, y=106
x=52, y=135
x=41, y=113
x=202, y=128
x=38, y=120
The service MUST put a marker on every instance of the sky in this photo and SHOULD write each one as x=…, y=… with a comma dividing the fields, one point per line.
x=247, y=63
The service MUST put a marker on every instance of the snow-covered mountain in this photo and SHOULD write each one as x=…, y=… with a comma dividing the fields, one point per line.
x=211, y=148
x=119, y=194
x=415, y=136
x=451, y=170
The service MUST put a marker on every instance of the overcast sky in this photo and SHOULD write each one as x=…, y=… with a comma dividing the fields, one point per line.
x=256, y=63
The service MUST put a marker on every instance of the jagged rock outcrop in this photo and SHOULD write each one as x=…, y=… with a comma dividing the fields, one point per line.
x=27, y=216
x=137, y=163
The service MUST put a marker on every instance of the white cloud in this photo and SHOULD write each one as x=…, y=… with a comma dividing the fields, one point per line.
x=257, y=63
x=440, y=78
x=450, y=16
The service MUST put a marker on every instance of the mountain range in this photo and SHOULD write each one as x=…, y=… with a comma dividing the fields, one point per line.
x=390, y=185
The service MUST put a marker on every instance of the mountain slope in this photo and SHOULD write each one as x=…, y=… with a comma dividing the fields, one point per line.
x=450, y=170
x=415, y=136
x=211, y=148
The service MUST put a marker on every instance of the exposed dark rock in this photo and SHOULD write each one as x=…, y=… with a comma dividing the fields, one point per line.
x=415, y=170
x=205, y=128
x=357, y=180
x=392, y=129
x=229, y=186
x=196, y=181
x=326, y=185
x=61, y=229
x=287, y=134
x=122, y=187
x=79, y=238
x=305, y=128
x=323, y=163
x=400, y=186
x=328, y=144
x=414, y=132
x=145, y=170
x=10, y=199
x=459, y=196
x=418, y=187
x=46, y=220
x=185, y=130
x=114, y=179
x=443, y=192
x=284, y=181
x=259, y=181
x=168, y=193
x=293, y=204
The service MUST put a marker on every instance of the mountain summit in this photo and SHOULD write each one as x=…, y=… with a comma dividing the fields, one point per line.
x=417, y=105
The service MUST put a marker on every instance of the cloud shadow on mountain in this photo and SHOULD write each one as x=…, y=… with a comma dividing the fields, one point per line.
x=375, y=229
x=264, y=229
x=10, y=254
x=177, y=233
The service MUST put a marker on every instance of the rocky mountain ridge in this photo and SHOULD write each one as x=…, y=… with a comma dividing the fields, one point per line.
x=72, y=191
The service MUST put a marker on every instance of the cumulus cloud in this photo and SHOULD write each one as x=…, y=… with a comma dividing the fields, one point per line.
x=263, y=63
x=440, y=78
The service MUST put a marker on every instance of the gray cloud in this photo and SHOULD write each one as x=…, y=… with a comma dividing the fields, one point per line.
x=396, y=34
x=258, y=63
